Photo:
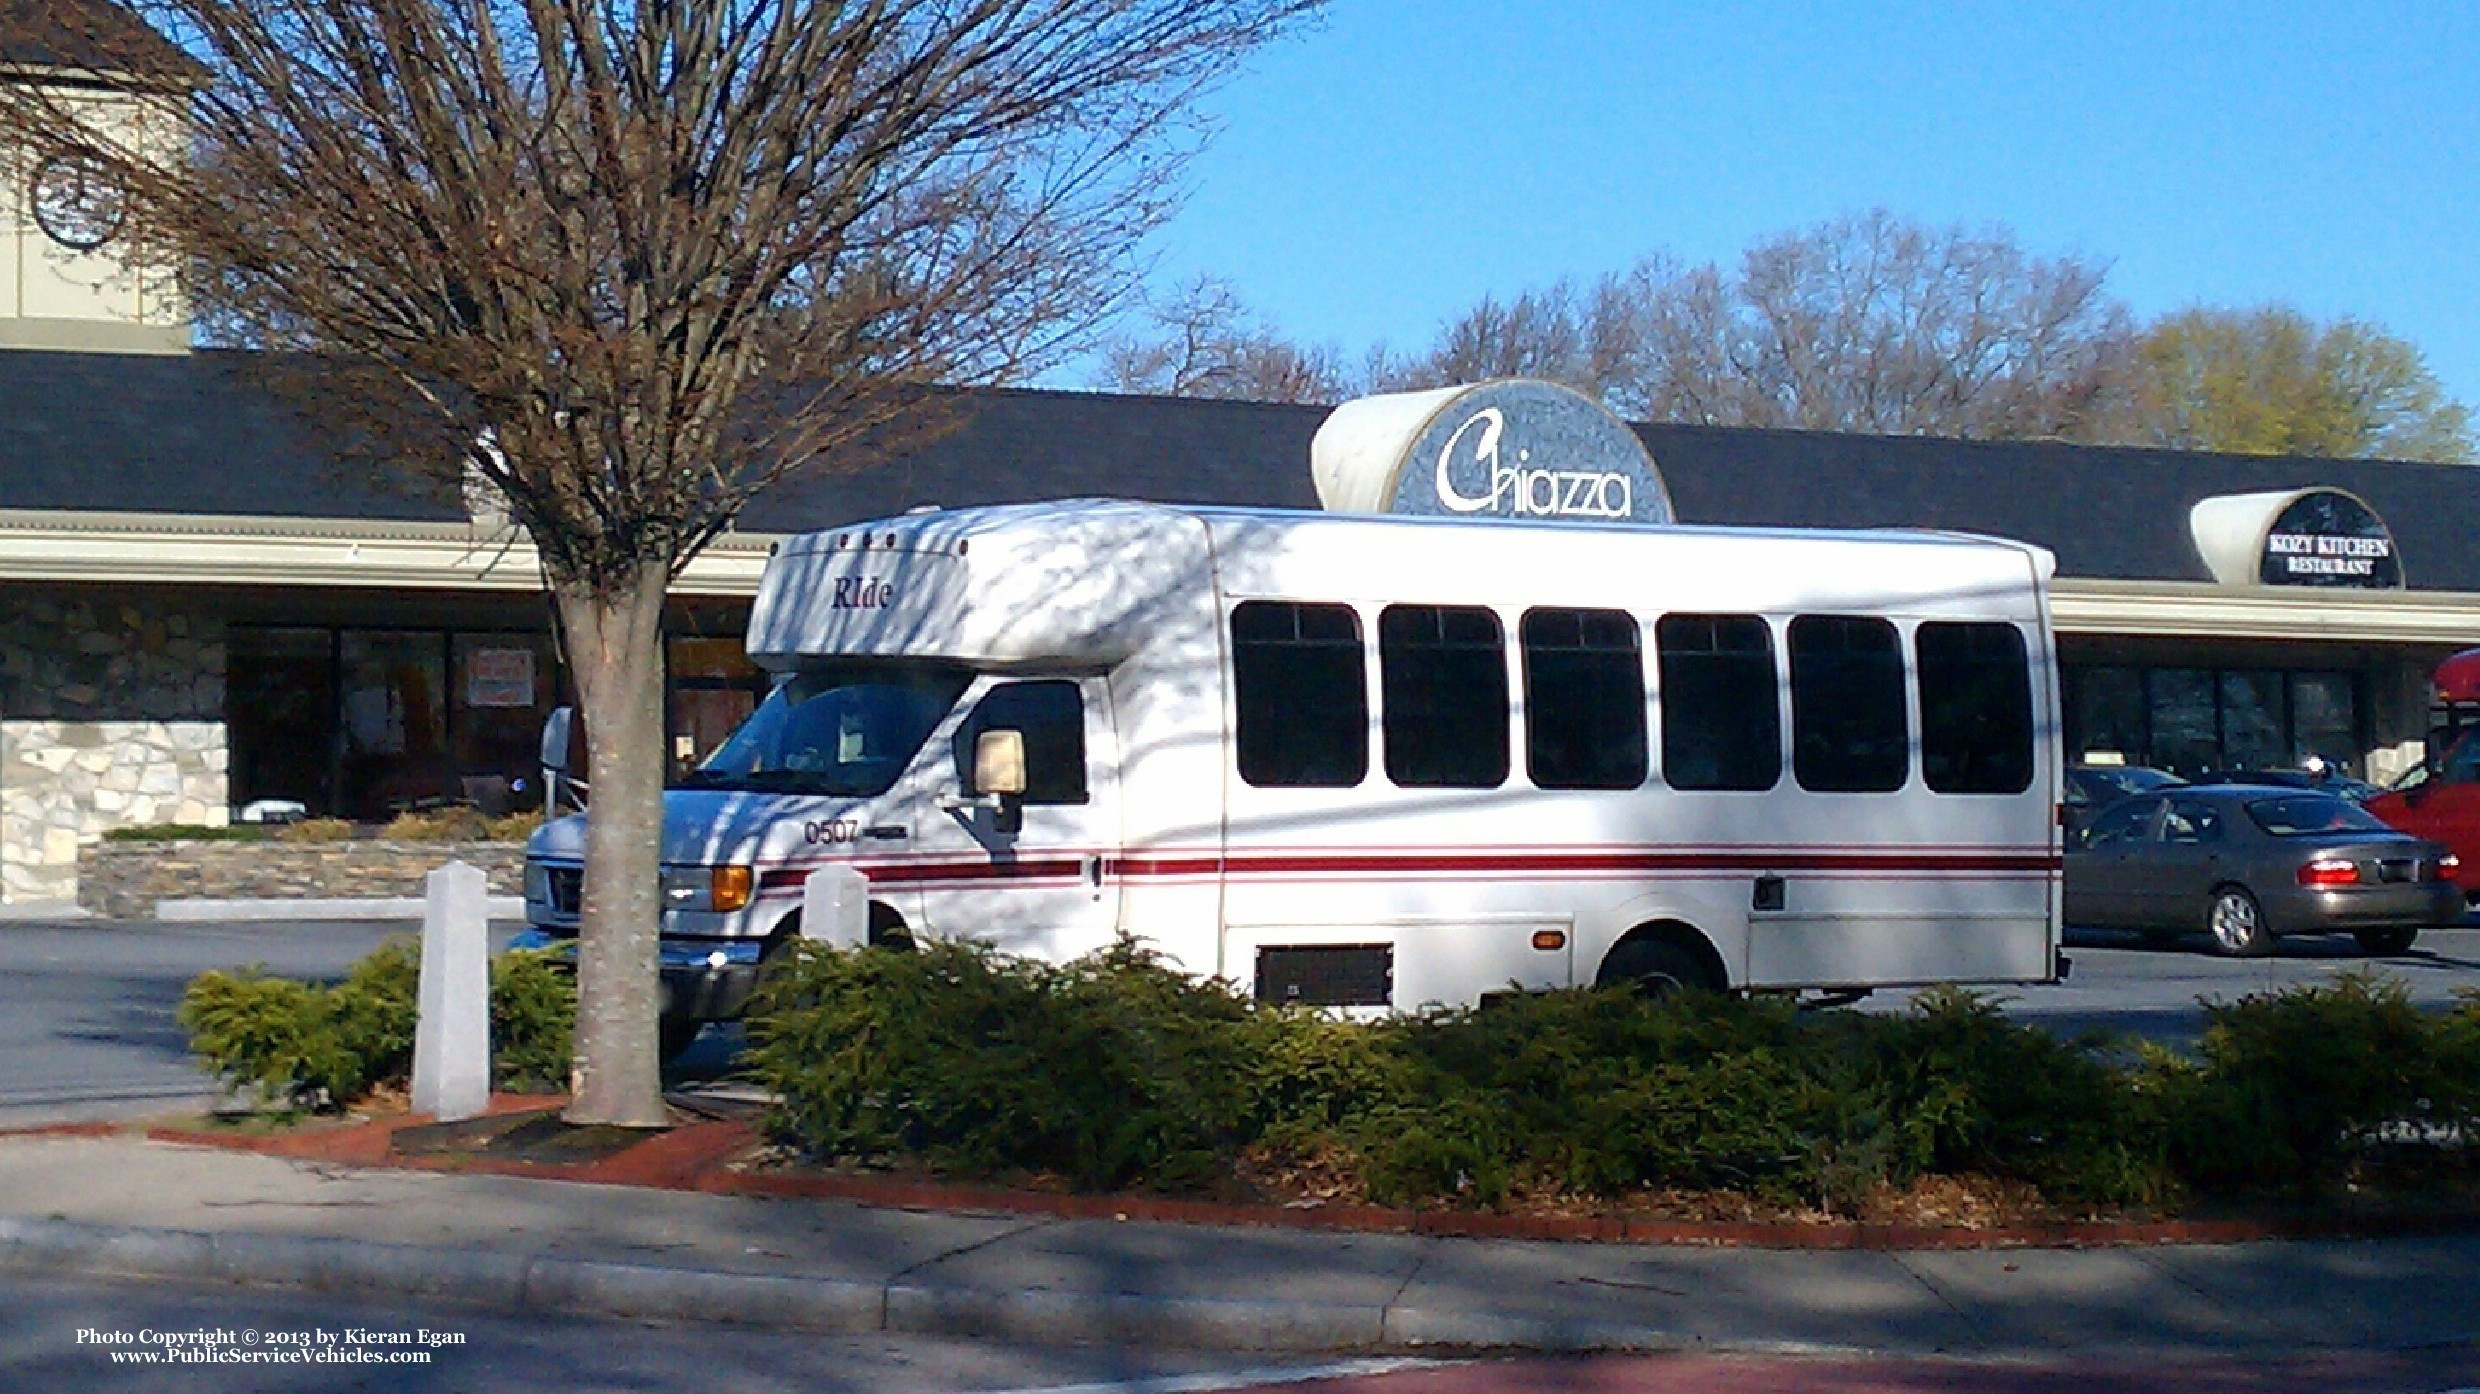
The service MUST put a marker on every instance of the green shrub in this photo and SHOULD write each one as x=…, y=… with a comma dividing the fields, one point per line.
x=308, y=1046
x=533, y=1021
x=2294, y=1086
x=1109, y=1071
x=188, y=832
x=1115, y=1071
x=1974, y=1092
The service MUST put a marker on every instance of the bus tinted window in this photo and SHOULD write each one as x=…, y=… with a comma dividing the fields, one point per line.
x=1051, y=715
x=1975, y=708
x=1720, y=726
x=1584, y=699
x=1302, y=693
x=1847, y=725
x=1443, y=676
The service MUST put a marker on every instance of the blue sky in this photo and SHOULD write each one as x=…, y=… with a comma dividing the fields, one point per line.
x=1376, y=175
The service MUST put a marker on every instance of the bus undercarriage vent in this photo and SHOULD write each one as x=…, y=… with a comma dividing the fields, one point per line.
x=1341, y=975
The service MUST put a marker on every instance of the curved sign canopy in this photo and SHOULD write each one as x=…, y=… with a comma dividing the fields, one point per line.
x=2296, y=537
x=1513, y=448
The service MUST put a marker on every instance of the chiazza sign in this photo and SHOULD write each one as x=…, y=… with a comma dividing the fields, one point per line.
x=2325, y=537
x=1513, y=449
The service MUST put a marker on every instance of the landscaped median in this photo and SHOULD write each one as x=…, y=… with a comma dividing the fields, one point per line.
x=1113, y=1084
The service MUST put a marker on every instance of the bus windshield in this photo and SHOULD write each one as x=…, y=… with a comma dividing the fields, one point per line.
x=846, y=729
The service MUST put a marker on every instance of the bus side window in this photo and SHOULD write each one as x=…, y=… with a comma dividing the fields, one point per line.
x=1847, y=725
x=1975, y=708
x=1584, y=699
x=1051, y=714
x=1721, y=727
x=1443, y=671
x=1303, y=694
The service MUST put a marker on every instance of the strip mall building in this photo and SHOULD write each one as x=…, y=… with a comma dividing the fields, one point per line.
x=200, y=609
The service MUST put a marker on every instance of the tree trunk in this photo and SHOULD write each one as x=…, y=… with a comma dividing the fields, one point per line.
x=615, y=643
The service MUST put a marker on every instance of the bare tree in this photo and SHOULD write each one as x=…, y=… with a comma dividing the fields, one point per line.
x=1876, y=323
x=633, y=260
x=1867, y=323
x=1203, y=343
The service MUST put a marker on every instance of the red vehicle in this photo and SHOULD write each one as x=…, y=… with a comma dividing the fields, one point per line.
x=2441, y=800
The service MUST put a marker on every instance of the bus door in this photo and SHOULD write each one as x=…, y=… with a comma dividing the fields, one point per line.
x=1029, y=878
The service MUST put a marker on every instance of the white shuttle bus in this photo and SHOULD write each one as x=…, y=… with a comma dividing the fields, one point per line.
x=1384, y=762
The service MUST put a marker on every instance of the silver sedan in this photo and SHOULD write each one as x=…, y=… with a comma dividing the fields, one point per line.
x=2250, y=863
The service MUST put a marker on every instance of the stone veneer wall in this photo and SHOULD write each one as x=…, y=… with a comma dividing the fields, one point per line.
x=111, y=715
x=124, y=880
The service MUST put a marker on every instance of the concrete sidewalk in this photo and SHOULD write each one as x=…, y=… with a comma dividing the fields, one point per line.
x=120, y=1206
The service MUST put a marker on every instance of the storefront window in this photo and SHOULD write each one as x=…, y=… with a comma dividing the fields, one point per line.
x=504, y=689
x=2325, y=716
x=2191, y=721
x=2111, y=717
x=395, y=711
x=2255, y=721
x=2186, y=735
x=280, y=695
x=714, y=688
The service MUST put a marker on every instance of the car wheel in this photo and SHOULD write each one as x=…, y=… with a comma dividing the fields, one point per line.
x=2237, y=924
x=2386, y=942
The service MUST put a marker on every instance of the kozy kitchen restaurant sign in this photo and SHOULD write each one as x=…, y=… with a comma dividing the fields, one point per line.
x=1513, y=448
x=2327, y=538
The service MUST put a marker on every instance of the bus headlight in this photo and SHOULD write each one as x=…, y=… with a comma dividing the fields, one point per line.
x=720, y=888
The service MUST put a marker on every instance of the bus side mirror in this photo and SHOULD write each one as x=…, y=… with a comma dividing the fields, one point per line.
x=555, y=740
x=999, y=773
x=563, y=759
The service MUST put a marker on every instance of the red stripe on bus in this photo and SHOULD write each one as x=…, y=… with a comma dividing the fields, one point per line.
x=1382, y=863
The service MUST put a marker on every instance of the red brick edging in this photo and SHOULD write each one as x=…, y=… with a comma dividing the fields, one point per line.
x=695, y=1157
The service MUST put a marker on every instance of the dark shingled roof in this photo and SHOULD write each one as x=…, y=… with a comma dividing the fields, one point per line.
x=170, y=433
x=95, y=35
x=199, y=435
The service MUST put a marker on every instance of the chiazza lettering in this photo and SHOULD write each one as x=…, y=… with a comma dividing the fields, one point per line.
x=1475, y=478
x=2309, y=554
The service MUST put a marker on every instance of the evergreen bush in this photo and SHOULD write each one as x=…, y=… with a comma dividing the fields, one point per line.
x=323, y=1047
x=1115, y=1071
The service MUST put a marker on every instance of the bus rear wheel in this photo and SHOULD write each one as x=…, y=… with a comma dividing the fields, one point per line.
x=1656, y=968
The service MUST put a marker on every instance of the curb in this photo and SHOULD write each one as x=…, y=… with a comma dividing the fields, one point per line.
x=829, y=1306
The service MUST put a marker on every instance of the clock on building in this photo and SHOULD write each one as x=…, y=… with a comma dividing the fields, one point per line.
x=77, y=202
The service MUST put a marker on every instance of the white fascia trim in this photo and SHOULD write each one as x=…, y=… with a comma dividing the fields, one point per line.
x=2198, y=610
x=164, y=549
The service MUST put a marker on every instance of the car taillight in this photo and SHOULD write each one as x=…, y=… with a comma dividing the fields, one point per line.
x=2327, y=872
x=2446, y=867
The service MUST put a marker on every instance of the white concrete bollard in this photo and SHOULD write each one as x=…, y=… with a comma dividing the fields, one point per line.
x=835, y=907
x=452, y=1028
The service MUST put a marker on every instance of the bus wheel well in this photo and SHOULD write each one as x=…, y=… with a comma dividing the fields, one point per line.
x=886, y=927
x=1664, y=949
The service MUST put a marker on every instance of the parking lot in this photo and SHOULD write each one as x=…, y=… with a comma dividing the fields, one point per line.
x=2121, y=984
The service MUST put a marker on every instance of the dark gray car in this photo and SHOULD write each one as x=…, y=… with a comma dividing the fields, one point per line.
x=2250, y=863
